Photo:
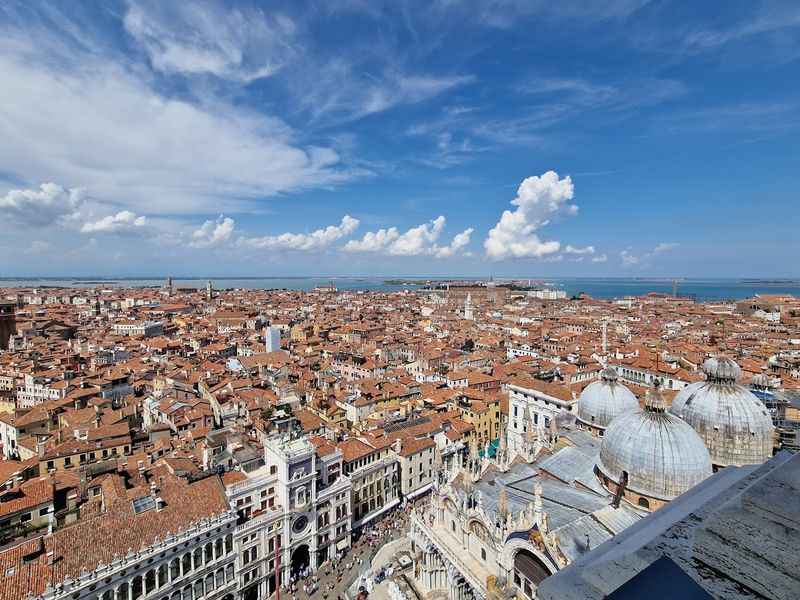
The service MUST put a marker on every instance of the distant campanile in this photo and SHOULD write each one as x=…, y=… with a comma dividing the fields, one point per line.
x=8, y=324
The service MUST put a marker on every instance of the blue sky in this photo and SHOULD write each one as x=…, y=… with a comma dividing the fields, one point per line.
x=513, y=138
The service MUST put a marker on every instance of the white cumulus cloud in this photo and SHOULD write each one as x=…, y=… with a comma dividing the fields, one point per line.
x=577, y=250
x=122, y=222
x=539, y=199
x=316, y=240
x=49, y=204
x=373, y=241
x=665, y=247
x=459, y=242
x=416, y=241
x=213, y=233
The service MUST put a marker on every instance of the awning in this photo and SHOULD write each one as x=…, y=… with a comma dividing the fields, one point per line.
x=386, y=507
x=420, y=491
x=342, y=544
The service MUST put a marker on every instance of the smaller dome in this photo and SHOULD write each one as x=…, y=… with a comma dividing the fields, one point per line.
x=734, y=424
x=722, y=369
x=602, y=401
x=762, y=381
x=609, y=374
x=661, y=454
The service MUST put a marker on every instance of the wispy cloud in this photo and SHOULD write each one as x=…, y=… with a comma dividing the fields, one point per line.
x=763, y=117
x=459, y=133
x=630, y=259
x=167, y=154
x=504, y=14
x=337, y=91
x=191, y=38
x=581, y=95
x=768, y=18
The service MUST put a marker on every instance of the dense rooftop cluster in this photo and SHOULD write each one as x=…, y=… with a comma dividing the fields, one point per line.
x=134, y=420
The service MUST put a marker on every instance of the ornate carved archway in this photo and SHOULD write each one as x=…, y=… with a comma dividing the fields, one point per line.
x=533, y=565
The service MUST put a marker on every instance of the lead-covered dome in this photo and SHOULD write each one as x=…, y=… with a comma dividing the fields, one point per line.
x=734, y=424
x=657, y=455
x=604, y=400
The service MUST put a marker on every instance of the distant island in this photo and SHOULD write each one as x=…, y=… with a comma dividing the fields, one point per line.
x=402, y=282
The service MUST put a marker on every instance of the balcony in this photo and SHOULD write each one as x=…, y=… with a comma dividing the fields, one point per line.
x=261, y=520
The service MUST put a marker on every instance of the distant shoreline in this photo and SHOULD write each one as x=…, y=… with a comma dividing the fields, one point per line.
x=601, y=288
x=409, y=279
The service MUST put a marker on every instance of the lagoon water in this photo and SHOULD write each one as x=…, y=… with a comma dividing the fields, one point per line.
x=617, y=287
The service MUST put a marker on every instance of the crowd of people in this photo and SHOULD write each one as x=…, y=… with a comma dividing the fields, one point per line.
x=335, y=576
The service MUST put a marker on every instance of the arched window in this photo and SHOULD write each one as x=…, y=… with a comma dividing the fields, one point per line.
x=210, y=582
x=136, y=587
x=187, y=593
x=644, y=503
x=122, y=591
x=107, y=595
x=220, y=577
x=218, y=550
x=186, y=563
x=162, y=575
x=529, y=571
x=228, y=543
x=174, y=569
x=150, y=581
x=197, y=558
x=209, y=552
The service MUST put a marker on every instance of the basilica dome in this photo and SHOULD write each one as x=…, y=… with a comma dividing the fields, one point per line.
x=734, y=424
x=601, y=401
x=653, y=455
